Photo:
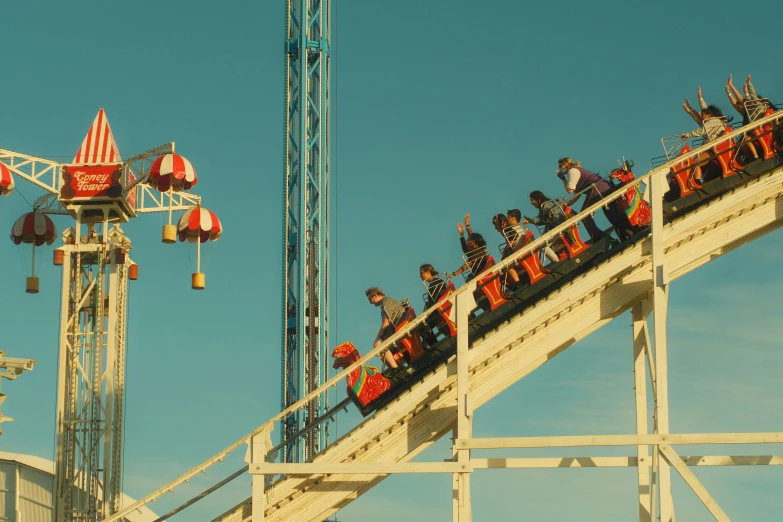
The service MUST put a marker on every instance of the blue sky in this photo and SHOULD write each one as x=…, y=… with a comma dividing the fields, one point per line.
x=441, y=108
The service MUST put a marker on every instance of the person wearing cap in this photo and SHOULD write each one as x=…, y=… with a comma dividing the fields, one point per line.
x=392, y=313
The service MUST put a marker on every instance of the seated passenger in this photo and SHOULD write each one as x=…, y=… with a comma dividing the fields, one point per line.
x=475, y=248
x=461, y=229
x=581, y=181
x=738, y=103
x=550, y=215
x=435, y=285
x=392, y=312
x=512, y=238
x=437, y=289
x=712, y=127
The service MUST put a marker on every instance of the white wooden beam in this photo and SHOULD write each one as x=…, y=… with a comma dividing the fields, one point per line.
x=660, y=304
x=260, y=444
x=569, y=441
x=359, y=468
x=619, y=462
x=668, y=454
x=464, y=305
x=640, y=348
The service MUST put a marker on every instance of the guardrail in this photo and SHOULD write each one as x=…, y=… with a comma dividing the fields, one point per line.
x=470, y=286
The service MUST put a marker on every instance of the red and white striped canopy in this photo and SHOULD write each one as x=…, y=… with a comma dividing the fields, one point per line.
x=33, y=227
x=174, y=171
x=98, y=145
x=199, y=223
x=6, y=180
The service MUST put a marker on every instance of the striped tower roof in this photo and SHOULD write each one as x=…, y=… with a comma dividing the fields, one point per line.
x=98, y=145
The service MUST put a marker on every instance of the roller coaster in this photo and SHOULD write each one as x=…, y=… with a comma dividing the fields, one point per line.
x=489, y=348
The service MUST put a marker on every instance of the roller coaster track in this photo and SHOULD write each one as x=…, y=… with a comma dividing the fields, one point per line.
x=425, y=412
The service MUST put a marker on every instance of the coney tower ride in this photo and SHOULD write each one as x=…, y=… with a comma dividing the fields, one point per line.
x=99, y=192
x=305, y=224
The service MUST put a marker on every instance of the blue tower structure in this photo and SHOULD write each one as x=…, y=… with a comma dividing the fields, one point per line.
x=305, y=223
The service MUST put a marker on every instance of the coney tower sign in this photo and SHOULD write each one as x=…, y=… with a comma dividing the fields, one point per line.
x=95, y=195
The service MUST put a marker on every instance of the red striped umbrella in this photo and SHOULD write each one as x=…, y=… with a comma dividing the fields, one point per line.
x=35, y=228
x=6, y=180
x=172, y=171
x=199, y=223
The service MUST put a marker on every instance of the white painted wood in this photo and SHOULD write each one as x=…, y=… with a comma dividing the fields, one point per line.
x=660, y=300
x=464, y=413
x=259, y=446
x=687, y=475
x=640, y=313
x=618, y=462
x=312, y=468
x=574, y=441
x=426, y=412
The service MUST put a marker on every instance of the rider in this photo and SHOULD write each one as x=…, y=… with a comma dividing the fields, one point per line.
x=549, y=216
x=476, y=249
x=392, y=313
x=578, y=180
x=436, y=286
x=712, y=126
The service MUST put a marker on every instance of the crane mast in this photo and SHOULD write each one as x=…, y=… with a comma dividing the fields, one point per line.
x=305, y=223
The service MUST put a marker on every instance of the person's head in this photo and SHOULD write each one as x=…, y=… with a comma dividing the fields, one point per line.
x=476, y=240
x=537, y=198
x=375, y=295
x=711, y=111
x=514, y=216
x=566, y=164
x=427, y=272
x=499, y=221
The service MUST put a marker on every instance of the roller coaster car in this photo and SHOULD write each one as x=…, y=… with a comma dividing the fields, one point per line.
x=440, y=321
x=410, y=348
x=482, y=321
x=636, y=210
x=721, y=174
x=490, y=287
x=365, y=383
x=764, y=137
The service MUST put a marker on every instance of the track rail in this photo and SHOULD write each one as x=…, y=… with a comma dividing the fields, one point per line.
x=426, y=412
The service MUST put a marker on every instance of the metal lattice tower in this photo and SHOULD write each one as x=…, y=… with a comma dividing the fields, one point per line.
x=99, y=191
x=91, y=380
x=305, y=222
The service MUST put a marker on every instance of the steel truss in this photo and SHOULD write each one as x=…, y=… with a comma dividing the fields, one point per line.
x=91, y=374
x=305, y=224
x=91, y=380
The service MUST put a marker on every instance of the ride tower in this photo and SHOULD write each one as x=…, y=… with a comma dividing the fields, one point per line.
x=305, y=224
x=99, y=192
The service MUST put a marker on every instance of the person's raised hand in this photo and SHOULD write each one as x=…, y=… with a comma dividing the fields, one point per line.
x=460, y=228
x=467, y=219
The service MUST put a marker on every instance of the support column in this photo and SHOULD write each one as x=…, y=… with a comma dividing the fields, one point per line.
x=660, y=298
x=461, y=503
x=640, y=313
x=259, y=446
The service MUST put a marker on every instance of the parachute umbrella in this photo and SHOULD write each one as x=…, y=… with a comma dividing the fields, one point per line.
x=171, y=173
x=199, y=225
x=6, y=180
x=36, y=229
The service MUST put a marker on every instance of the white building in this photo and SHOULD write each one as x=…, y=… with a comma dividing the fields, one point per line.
x=26, y=490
